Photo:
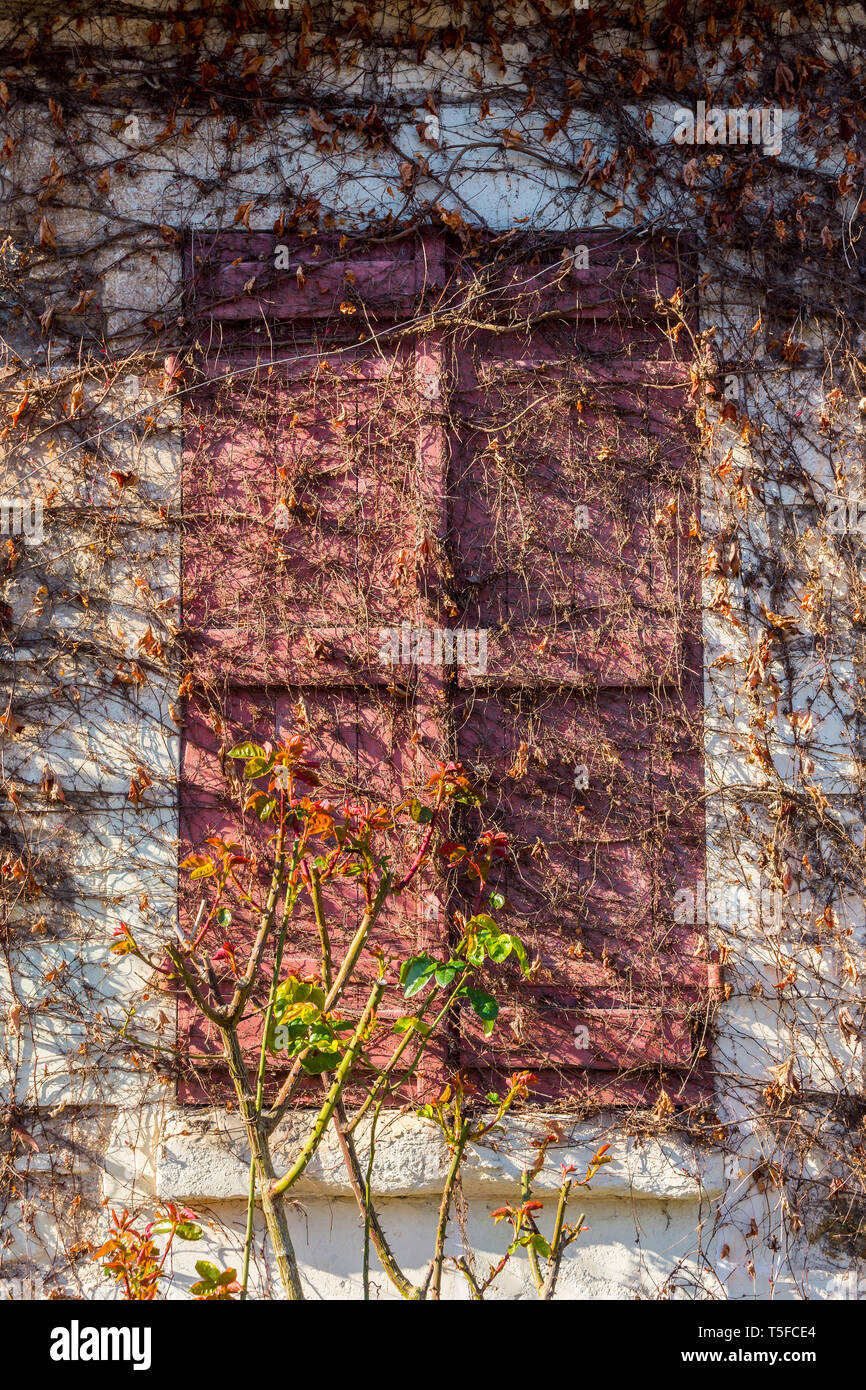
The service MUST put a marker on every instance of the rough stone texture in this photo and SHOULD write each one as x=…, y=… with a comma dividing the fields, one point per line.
x=411, y=1161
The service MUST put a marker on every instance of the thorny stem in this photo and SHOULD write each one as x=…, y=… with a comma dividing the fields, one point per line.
x=272, y=1203
x=557, y=1244
x=462, y=1264
x=357, y=943
x=319, y=913
x=361, y=1188
x=273, y=1116
x=248, y=979
x=289, y=906
x=229, y=1016
x=525, y=1196
x=368, y=1185
x=445, y=1209
x=424, y=846
x=248, y=1229
x=340, y=1076
x=554, y=1273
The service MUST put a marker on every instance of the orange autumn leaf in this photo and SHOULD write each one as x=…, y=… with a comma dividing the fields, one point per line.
x=82, y=301
x=15, y=415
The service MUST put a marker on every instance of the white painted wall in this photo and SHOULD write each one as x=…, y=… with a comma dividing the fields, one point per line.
x=665, y=1216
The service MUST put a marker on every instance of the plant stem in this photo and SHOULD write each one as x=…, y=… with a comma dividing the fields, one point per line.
x=368, y=1181
x=525, y=1196
x=445, y=1209
x=248, y=1232
x=288, y=908
x=361, y=1189
x=272, y=1204
x=425, y=845
x=323, y=1118
x=556, y=1246
x=350, y=961
x=463, y=1266
x=319, y=912
x=552, y=1277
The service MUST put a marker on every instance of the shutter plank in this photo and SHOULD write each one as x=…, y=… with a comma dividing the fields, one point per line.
x=545, y=1037
x=386, y=283
x=297, y=618
x=591, y=660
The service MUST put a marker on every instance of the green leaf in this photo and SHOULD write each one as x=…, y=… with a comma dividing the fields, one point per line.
x=484, y=1005
x=207, y=1270
x=408, y=1024
x=497, y=901
x=483, y=923
x=295, y=991
x=204, y=1286
x=539, y=1245
x=466, y=798
x=498, y=947
x=188, y=1230
x=247, y=750
x=415, y=973
x=267, y=808
x=475, y=952
x=447, y=974
x=224, y=917
x=519, y=950
x=317, y=1062
x=228, y=1276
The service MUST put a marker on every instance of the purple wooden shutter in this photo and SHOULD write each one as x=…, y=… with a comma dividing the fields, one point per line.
x=437, y=482
x=333, y=442
x=593, y=662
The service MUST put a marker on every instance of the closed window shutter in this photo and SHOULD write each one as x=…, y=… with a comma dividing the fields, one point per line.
x=435, y=482
x=572, y=488
x=309, y=486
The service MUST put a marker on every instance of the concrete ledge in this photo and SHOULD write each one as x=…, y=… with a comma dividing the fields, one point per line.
x=208, y=1162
